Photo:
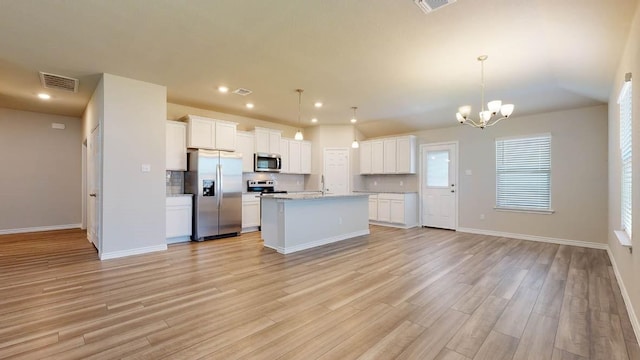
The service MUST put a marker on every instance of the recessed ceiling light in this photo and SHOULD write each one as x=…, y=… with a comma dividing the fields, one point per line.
x=318, y=104
x=354, y=120
x=44, y=96
x=249, y=105
x=314, y=120
x=223, y=89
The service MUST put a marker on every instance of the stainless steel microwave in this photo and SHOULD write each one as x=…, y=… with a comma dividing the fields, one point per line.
x=263, y=162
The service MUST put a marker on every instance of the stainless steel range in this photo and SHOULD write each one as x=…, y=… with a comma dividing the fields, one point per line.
x=263, y=187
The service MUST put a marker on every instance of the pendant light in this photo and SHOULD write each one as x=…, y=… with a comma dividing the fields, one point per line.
x=298, y=135
x=355, y=144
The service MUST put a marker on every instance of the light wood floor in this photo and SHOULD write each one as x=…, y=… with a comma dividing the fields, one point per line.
x=405, y=294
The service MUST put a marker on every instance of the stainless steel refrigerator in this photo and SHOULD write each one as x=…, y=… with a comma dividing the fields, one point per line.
x=215, y=180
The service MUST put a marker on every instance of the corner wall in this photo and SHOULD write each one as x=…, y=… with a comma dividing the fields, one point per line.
x=133, y=200
x=41, y=170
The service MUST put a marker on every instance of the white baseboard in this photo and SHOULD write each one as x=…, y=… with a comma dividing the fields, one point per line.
x=398, y=226
x=137, y=251
x=178, y=239
x=558, y=241
x=40, y=228
x=325, y=241
x=625, y=296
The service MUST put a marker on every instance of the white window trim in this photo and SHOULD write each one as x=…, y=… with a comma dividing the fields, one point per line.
x=548, y=211
x=622, y=235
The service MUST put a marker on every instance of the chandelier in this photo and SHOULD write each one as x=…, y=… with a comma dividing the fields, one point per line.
x=486, y=116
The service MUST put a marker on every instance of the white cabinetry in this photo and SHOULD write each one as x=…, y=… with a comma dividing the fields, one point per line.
x=245, y=145
x=395, y=155
x=296, y=159
x=205, y=133
x=365, y=157
x=396, y=210
x=176, y=151
x=390, y=154
x=267, y=140
x=284, y=155
x=373, y=207
x=250, y=212
x=377, y=156
x=406, y=155
x=178, y=218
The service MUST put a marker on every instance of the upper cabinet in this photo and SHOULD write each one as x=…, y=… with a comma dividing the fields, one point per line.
x=267, y=140
x=246, y=146
x=396, y=155
x=205, y=133
x=176, y=151
x=296, y=156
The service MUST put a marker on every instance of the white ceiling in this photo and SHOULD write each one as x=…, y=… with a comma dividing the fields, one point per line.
x=405, y=70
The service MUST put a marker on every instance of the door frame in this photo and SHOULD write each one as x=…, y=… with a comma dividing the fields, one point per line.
x=93, y=166
x=324, y=163
x=421, y=176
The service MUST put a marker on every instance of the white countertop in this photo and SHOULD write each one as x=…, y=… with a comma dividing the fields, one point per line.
x=311, y=196
x=178, y=195
x=384, y=192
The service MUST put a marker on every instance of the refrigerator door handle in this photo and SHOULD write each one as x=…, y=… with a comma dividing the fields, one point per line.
x=220, y=187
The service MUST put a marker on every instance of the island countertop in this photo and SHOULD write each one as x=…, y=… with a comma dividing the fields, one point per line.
x=310, y=196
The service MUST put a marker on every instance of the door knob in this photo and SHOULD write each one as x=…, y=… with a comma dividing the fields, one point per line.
x=92, y=195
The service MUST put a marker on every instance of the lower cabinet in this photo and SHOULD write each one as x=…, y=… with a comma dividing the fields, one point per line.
x=250, y=213
x=178, y=219
x=397, y=210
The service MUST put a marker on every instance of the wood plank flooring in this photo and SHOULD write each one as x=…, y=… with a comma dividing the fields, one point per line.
x=394, y=294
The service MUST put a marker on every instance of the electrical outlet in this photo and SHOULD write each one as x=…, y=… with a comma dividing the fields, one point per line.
x=401, y=183
x=375, y=183
x=481, y=216
x=340, y=220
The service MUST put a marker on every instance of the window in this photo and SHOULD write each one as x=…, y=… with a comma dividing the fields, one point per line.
x=625, y=155
x=523, y=173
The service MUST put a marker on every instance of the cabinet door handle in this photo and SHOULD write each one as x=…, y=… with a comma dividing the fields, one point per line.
x=92, y=194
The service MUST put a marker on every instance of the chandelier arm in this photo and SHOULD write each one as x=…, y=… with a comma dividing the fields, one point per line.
x=495, y=122
x=472, y=123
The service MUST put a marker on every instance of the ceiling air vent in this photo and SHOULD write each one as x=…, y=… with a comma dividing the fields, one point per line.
x=431, y=5
x=58, y=82
x=242, y=91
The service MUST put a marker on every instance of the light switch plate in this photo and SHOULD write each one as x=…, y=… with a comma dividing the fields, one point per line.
x=468, y=172
x=145, y=168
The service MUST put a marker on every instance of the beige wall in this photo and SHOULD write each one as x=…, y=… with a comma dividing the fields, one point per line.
x=133, y=132
x=331, y=136
x=628, y=264
x=578, y=180
x=41, y=168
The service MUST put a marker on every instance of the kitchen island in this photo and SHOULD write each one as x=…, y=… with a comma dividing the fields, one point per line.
x=294, y=222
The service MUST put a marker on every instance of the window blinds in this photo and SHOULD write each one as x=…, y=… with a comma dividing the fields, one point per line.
x=523, y=173
x=625, y=154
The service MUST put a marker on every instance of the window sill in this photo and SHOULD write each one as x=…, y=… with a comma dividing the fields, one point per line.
x=529, y=211
x=623, y=238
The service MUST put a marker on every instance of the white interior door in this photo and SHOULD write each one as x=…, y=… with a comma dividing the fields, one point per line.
x=336, y=170
x=439, y=185
x=93, y=187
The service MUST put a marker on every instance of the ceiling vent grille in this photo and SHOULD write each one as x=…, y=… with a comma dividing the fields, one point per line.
x=242, y=91
x=58, y=82
x=428, y=6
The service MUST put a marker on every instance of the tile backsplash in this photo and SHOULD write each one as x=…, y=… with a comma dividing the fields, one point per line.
x=175, y=182
x=288, y=182
x=388, y=183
